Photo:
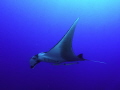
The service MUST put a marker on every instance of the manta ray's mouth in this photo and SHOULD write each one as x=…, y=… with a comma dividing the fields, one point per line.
x=31, y=66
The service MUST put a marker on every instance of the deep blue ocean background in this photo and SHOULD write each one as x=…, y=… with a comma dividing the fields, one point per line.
x=28, y=27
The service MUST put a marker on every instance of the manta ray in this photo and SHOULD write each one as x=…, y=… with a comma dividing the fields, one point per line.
x=61, y=53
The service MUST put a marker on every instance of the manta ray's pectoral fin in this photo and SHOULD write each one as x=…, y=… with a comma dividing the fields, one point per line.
x=63, y=49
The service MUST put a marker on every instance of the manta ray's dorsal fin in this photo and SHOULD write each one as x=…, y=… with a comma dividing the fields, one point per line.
x=64, y=46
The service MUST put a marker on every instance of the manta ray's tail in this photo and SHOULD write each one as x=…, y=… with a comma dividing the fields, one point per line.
x=97, y=61
x=82, y=59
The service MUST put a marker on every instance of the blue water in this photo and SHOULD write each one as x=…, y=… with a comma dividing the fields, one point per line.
x=28, y=27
